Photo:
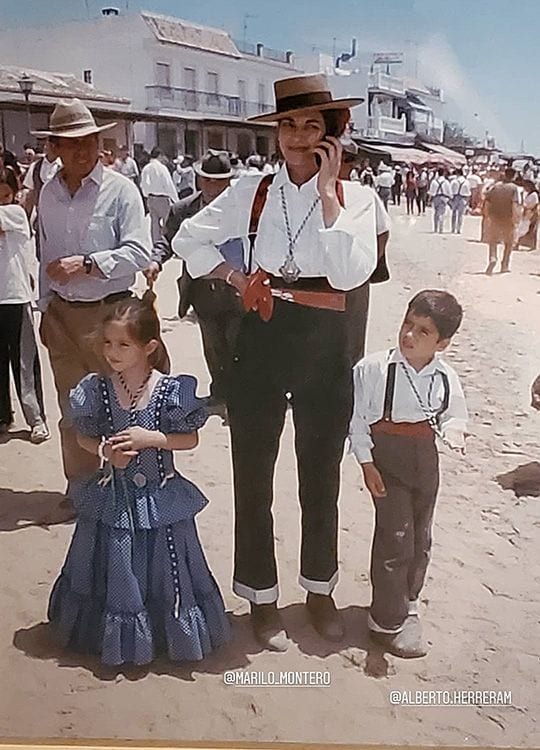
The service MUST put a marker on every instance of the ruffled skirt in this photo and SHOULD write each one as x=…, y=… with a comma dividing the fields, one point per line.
x=130, y=595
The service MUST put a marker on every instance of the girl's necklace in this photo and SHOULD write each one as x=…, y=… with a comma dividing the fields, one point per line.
x=139, y=478
x=134, y=396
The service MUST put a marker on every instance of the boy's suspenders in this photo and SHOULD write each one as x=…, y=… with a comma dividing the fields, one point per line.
x=257, y=206
x=391, y=386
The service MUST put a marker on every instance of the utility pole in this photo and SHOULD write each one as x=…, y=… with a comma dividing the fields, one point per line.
x=247, y=16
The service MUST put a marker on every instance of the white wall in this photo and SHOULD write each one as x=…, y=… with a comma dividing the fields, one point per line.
x=122, y=53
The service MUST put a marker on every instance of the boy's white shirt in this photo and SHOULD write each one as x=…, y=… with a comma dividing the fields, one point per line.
x=16, y=258
x=369, y=377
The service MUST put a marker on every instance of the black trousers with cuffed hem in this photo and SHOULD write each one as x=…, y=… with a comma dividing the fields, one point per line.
x=303, y=352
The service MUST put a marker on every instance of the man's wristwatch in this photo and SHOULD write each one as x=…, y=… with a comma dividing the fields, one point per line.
x=88, y=263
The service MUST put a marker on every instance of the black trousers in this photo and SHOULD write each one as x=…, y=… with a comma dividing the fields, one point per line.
x=301, y=351
x=19, y=354
x=220, y=312
x=403, y=522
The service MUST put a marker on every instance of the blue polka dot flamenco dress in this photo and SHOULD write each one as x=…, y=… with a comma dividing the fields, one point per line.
x=135, y=582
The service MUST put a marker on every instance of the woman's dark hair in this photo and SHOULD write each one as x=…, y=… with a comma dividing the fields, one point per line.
x=140, y=318
x=529, y=186
x=335, y=121
x=441, y=307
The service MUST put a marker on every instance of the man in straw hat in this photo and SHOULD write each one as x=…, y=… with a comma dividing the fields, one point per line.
x=92, y=241
x=308, y=240
x=218, y=305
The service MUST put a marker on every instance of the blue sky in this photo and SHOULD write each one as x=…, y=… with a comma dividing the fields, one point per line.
x=485, y=53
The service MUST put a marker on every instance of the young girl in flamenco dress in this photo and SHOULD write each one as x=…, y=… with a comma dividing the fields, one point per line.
x=135, y=582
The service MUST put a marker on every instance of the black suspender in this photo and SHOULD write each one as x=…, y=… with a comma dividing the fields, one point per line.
x=391, y=387
x=389, y=393
x=446, y=395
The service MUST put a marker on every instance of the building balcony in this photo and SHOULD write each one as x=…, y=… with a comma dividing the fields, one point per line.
x=202, y=102
x=381, y=125
x=387, y=83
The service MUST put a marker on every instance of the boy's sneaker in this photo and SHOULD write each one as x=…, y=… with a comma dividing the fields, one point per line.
x=408, y=643
x=39, y=433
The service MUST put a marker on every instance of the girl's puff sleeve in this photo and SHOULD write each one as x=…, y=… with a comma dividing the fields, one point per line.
x=84, y=400
x=184, y=412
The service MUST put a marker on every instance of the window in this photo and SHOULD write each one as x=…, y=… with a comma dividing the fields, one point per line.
x=190, y=81
x=87, y=76
x=163, y=74
x=190, y=86
x=212, y=87
x=242, y=96
x=262, y=97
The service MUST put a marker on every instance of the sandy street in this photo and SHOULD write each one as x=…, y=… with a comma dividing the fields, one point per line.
x=480, y=607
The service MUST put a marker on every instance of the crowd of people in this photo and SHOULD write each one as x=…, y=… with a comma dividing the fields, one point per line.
x=277, y=264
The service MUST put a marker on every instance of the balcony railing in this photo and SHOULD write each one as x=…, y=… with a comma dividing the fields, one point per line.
x=259, y=50
x=206, y=102
x=380, y=124
x=385, y=82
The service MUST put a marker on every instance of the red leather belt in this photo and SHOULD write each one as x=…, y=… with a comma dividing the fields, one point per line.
x=406, y=429
x=315, y=292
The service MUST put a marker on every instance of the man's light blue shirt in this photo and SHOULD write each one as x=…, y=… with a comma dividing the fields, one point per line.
x=104, y=219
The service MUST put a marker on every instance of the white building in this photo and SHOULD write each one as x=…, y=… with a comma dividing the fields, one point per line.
x=18, y=118
x=396, y=108
x=190, y=85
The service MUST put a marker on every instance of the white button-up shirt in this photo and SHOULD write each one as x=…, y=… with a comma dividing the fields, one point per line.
x=104, y=219
x=460, y=186
x=345, y=253
x=370, y=376
x=47, y=171
x=156, y=180
x=440, y=186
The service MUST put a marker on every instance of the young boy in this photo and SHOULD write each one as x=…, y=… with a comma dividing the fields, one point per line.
x=403, y=398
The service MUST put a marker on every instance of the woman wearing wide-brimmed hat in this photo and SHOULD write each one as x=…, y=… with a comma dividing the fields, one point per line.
x=308, y=240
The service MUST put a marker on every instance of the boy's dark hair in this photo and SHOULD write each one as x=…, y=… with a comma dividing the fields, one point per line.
x=442, y=307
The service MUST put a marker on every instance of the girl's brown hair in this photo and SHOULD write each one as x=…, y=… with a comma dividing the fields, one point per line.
x=140, y=318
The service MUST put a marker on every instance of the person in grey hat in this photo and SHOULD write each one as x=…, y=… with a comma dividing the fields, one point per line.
x=92, y=243
x=217, y=304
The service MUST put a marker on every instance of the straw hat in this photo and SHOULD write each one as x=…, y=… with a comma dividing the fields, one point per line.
x=215, y=164
x=72, y=119
x=302, y=93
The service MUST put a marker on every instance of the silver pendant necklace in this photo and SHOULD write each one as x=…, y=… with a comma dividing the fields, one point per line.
x=138, y=478
x=289, y=270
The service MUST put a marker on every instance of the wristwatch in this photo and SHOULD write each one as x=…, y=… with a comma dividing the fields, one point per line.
x=88, y=263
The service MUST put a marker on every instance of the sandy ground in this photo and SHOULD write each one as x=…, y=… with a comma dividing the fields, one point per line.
x=480, y=605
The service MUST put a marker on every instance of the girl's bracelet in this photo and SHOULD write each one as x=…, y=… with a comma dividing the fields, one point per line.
x=229, y=276
x=101, y=452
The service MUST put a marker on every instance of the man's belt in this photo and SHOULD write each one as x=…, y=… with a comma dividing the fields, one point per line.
x=263, y=288
x=404, y=429
x=109, y=299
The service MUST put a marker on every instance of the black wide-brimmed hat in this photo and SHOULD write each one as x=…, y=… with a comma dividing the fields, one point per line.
x=215, y=164
x=310, y=92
